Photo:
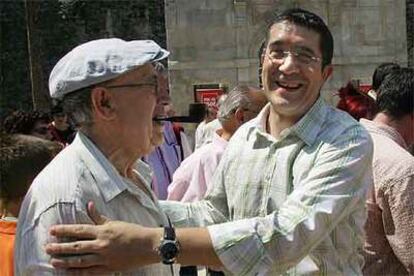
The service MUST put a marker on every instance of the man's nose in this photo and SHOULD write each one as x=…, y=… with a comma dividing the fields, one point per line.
x=289, y=65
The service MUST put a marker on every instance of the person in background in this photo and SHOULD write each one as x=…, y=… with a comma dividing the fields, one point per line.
x=192, y=179
x=169, y=139
x=389, y=241
x=28, y=122
x=288, y=196
x=379, y=75
x=22, y=157
x=355, y=103
x=206, y=129
x=60, y=128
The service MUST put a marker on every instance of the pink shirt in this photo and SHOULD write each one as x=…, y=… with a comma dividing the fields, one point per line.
x=389, y=244
x=192, y=179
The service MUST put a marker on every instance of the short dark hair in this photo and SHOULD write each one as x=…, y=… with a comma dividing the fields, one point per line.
x=22, y=157
x=313, y=22
x=396, y=93
x=381, y=72
x=23, y=122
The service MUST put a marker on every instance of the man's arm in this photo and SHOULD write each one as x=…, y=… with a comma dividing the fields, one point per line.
x=278, y=241
x=115, y=245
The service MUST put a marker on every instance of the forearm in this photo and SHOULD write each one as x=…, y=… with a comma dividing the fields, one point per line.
x=196, y=240
x=196, y=214
x=195, y=246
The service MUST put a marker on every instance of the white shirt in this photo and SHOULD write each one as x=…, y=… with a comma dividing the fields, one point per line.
x=59, y=194
x=205, y=132
x=192, y=178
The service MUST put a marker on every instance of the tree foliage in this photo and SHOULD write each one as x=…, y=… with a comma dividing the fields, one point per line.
x=59, y=26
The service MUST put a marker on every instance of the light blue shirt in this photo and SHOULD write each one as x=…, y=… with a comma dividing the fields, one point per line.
x=59, y=194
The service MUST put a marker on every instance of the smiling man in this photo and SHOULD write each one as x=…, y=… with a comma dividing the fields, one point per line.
x=108, y=87
x=289, y=191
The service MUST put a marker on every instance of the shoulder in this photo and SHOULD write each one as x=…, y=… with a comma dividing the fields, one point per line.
x=339, y=127
x=59, y=182
x=392, y=163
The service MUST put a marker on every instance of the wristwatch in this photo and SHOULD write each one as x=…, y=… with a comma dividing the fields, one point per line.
x=169, y=247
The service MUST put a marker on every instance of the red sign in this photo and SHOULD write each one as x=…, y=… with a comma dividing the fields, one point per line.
x=209, y=96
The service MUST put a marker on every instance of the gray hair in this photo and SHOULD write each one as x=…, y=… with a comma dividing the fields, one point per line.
x=238, y=97
x=160, y=68
x=221, y=100
x=78, y=106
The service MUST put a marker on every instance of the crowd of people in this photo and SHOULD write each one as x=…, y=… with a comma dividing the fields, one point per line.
x=280, y=182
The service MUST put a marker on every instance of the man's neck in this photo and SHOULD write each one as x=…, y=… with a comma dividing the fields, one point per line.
x=120, y=158
x=276, y=123
x=225, y=134
x=11, y=209
x=402, y=126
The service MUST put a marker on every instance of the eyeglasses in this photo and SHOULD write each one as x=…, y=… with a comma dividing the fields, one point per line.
x=301, y=56
x=132, y=85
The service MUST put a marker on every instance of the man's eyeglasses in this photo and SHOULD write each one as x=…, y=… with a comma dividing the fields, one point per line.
x=132, y=85
x=301, y=56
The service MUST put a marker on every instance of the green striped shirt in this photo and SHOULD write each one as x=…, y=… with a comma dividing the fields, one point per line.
x=290, y=206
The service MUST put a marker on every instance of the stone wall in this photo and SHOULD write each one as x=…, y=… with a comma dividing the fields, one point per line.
x=216, y=41
x=410, y=32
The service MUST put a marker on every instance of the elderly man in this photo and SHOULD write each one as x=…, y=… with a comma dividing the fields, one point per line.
x=193, y=178
x=289, y=191
x=109, y=89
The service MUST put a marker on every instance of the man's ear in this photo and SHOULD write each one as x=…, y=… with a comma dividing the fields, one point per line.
x=327, y=72
x=103, y=103
x=239, y=114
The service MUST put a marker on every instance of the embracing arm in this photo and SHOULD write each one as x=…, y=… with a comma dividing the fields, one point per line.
x=278, y=241
x=115, y=245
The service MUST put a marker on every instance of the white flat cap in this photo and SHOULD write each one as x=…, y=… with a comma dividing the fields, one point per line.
x=100, y=60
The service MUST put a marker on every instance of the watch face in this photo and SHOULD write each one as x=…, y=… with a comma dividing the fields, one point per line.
x=168, y=250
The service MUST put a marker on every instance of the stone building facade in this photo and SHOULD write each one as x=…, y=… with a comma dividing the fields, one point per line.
x=217, y=41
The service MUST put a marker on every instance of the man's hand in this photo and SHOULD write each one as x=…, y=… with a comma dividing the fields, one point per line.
x=106, y=247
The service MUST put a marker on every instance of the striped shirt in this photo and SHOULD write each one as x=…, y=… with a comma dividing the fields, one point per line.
x=301, y=197
x=59, y=194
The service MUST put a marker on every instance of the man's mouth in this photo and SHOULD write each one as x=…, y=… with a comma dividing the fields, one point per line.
x=289, y=85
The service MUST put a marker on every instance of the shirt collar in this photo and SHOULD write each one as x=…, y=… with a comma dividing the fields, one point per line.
x=382, y=129
x=217, y=140
x=110, y=182
x=306, y=129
